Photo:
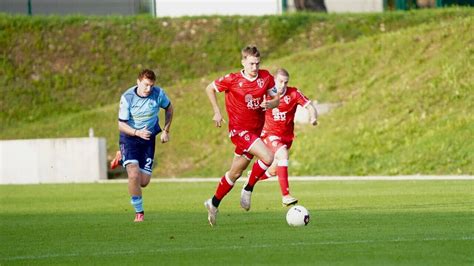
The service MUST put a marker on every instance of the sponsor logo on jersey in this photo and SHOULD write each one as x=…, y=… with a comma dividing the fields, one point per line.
x=248, y=98
x=152, y=104
x=277, y=115
x=252, y=103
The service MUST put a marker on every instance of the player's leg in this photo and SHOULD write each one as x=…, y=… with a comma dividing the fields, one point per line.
x=145, y=179
x=134, y=189
x=273, y=144
x=134, y=177
x=137, y=201
x=239, y=164
x=130, y=156
x=282, y=155
x=282, y=169
x=272, y=170
x=265, y=159
x=145, y=168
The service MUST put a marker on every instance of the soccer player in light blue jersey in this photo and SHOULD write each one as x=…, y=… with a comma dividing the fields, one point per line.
x=139, y=125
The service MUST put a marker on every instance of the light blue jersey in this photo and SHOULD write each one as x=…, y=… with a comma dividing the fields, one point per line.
x=140, y=112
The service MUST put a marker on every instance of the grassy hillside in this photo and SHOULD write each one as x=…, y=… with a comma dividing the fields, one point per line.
x=51, y=66
x=407, y=103
x=405, y=87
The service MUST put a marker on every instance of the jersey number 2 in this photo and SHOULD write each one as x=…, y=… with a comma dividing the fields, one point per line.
x=148, y=164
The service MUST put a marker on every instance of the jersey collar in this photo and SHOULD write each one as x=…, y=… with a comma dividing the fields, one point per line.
x=246, y=77
x=136, y=92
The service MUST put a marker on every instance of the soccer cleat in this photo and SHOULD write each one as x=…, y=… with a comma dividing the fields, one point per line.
x=211, y=212
x=288, y=200
x=139, y=217
x=245, y=198
x=116, y=161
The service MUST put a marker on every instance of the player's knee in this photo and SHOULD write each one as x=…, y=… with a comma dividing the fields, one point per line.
x=267, y=159
x=145, y=180
x=234, y=175
x=272, y=171
x=283, y=155
x=134, y=176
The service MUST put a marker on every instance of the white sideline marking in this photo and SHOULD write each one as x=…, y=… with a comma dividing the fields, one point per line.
x=310, y=178
x=164, y=250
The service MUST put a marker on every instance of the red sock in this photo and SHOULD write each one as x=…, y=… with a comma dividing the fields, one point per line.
x=258, y=169
x=264, y=176
x=225, y=185
x=282, y=173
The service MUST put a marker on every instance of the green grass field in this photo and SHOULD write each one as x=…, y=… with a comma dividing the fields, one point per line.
x=352, y=222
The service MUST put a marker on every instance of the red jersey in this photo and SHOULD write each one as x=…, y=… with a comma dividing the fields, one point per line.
x=243, y=97
x=279, y=121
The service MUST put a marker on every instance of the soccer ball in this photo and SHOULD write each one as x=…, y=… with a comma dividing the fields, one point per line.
x=297, y=216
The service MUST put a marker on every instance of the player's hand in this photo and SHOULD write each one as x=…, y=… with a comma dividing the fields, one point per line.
x=218, y=119
x=165, y=137
x=265, y=104
x=144, y=133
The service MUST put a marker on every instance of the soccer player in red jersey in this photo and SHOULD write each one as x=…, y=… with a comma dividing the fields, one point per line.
x=278, y=132
x=248, y=94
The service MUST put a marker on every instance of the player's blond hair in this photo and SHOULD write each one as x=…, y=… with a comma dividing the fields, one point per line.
x=148, y=74
x=282, y=72
x=250, y=50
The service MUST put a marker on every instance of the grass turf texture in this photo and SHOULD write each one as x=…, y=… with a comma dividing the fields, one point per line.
x=357, y=223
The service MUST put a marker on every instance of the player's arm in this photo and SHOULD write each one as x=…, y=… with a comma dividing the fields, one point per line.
x=274, y=101
x=271, y=100
x=211, y=94
x=313, y=113
x=168, y=118
x=143, y=133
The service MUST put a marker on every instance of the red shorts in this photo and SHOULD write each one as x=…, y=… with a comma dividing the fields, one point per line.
x=274, y=143
x=243, y=141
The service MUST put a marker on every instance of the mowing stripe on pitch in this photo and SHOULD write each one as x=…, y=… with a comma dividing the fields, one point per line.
x=309, y=178
x=273, y=245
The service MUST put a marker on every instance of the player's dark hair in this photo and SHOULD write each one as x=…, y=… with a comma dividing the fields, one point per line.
x=250, y=50
x=148, y=74
x=282, y=72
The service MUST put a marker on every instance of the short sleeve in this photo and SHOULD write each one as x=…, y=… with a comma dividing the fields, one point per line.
x=164, y=100
x=301, y=99
x=124, y=111
x=271, y=82
x=272, y=89
x=223, y=83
